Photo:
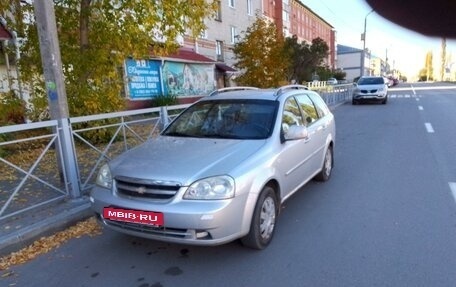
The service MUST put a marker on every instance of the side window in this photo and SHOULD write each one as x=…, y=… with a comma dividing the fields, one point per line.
x=321, y=106
x=291, y=115
x=308, y=109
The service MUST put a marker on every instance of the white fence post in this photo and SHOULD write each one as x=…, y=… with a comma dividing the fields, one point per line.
x=164, y=120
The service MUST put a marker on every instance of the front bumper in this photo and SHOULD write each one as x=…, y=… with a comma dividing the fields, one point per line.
x=370, y=97
x=195, y=222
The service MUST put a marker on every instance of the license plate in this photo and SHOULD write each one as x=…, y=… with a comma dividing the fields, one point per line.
x=133, y=216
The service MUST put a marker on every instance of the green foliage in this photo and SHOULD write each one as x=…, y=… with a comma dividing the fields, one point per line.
x=305, y=59
x=260, y=56
x=12, y=109
x=339, y=74
x=95, y=38
x=165, y=100
x=324, y=73
x=427, y=73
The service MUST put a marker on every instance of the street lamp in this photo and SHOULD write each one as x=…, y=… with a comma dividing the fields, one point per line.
x=363, y=37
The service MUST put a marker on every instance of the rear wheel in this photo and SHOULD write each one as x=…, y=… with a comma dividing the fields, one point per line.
x=354, y=102
x=263, y=221
x=326, y=170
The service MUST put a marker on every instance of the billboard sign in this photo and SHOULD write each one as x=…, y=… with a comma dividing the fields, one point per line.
x=143, y=78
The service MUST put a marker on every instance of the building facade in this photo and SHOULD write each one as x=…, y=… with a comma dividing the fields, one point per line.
x=213, y=48
x=292, y=17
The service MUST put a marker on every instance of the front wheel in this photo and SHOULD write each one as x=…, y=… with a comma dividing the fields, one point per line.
x=263, y=221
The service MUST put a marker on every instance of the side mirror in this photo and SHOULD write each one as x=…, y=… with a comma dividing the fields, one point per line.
x=296, y=132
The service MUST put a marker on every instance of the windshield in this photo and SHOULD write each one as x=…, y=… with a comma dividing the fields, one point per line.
x=231, y=119
x=371, y=81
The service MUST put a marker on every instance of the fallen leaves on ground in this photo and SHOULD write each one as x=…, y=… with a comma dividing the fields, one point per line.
x=43, y=245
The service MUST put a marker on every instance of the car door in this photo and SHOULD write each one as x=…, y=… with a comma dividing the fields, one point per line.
x=315, y=128
x=293, y=161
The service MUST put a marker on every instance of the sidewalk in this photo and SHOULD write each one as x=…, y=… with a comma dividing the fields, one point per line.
x=22, y=230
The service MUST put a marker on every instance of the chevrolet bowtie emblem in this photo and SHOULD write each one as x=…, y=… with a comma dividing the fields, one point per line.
x=141, y=190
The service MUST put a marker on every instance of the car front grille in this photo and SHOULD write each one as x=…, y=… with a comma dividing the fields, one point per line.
x=150, y=229
x=368, y=91
x=145, y=188
x=156, y=231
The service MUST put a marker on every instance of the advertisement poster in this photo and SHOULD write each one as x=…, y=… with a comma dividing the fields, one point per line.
x=184, y=79
x=143, y=77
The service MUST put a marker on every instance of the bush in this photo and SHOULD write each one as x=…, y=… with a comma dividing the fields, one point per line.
x=165, y=100
x=12, y=109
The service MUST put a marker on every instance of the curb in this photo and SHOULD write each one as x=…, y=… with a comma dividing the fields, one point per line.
x=66, y=214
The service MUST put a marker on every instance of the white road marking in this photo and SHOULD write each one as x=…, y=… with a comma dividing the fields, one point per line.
x=417, y=99
x=420, y=108
x=392, y=96
x=407, y=96
x=429, y=127
x=453, y=189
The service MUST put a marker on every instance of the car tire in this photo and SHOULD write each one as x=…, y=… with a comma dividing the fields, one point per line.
x=326, y=169
x=384, y=101
x=354, y=102
x=263, y=221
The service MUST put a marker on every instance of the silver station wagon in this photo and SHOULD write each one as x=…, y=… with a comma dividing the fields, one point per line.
x=221, y=169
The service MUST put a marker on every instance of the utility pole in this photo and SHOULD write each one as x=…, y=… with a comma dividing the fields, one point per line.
x=55, y=88
x=443, y=60
x=363, y=37
x=50, y=56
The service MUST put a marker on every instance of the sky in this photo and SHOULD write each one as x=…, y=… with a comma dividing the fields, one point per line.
x=405, y=48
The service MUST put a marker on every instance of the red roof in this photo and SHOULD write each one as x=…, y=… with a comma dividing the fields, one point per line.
x=4, y=34
x=189, y=55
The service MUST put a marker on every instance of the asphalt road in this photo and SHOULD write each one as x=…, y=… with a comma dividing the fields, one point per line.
x=387, y=217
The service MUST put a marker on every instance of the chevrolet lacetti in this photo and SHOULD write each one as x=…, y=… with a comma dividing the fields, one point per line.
x=221, y=169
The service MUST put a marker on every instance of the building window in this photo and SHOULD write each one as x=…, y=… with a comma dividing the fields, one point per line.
x=234, y=34
x=219, y=50
x=285, y=16
x=218, y=12
x=231, y=3
x=203, y=34
x=249, y=7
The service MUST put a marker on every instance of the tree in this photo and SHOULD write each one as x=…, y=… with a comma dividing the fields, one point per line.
x=339, y=74
x=305, y=59
x=259, y=56
x=427, y=73
x=95, y=38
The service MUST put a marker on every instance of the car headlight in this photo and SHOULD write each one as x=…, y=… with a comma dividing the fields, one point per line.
x=104, y=178
x=217, y=187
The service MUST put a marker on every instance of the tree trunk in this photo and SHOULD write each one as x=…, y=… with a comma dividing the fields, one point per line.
x=84, y=24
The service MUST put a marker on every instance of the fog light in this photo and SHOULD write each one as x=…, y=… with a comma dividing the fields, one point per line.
x=203, y=234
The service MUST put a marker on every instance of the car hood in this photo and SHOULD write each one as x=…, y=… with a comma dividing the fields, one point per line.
x=183, y=160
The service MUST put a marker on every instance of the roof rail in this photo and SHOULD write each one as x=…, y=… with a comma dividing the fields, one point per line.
x=283, y=88
x=228, y=89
